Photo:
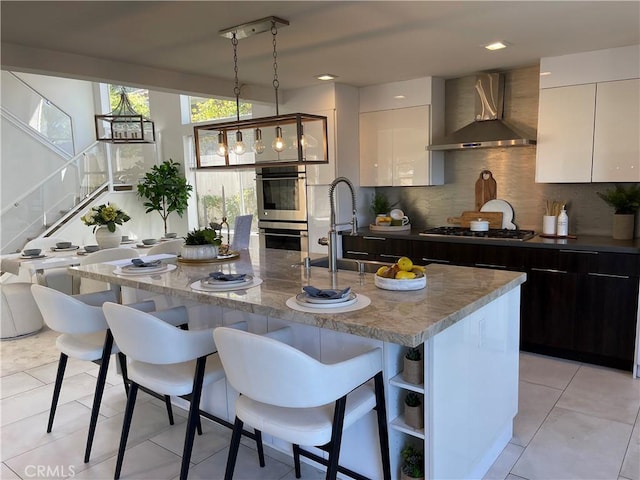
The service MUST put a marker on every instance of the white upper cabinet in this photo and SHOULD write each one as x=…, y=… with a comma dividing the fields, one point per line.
x=616, y=140
x=393, y=141
x=565, y=134
x=589, y=117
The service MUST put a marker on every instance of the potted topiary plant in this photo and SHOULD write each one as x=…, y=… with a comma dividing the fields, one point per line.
x=380, y=207
x=626, y=202
x=413, y=410
x=412, y=463
x=413, y=369
x=201, y=244
x=165, y=190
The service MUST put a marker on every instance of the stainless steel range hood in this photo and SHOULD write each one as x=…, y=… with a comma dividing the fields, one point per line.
x=488, y=130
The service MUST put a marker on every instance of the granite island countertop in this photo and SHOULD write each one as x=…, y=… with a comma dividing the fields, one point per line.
x=402, y=317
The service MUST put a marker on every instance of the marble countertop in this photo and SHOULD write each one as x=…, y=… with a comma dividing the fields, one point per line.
x=406, y=318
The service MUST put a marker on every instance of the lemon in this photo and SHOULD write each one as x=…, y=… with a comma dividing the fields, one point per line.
x=404, y=275
x=381, y=271
x=405, y=264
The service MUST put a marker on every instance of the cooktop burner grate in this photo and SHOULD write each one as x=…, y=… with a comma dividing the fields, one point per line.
x=498, y=233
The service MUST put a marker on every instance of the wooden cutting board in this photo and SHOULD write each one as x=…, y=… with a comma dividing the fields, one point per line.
x=494, y=218
x=486, y=188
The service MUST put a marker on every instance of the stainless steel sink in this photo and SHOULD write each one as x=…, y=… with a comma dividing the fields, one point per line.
x=362, y=266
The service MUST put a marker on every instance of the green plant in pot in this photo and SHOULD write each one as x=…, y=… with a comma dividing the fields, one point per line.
x=380, y=204
x=412, y=462
x=201, y=244
x=165, y=190
x=413, y=411
x=626, y=203
x=413, y=368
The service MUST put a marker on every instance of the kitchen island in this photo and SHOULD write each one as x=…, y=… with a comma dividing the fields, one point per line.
x=466, y=322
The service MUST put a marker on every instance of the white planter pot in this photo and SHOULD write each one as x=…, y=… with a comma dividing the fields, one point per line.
x=199, y=252
x=107, y=239
x=623, y=226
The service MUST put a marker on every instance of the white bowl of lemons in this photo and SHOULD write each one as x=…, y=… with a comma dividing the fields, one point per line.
x=403, y=275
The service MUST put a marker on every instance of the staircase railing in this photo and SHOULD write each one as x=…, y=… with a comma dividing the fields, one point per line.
x=55, y=196
x=38, y=114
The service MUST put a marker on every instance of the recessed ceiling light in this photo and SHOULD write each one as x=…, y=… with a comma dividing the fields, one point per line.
x=496, y=46
x=327, y=76
x=399, y=97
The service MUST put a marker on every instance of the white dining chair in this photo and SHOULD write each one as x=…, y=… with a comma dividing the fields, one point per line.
x=169, y=361
x=170, y=246
x=85, y=336
x=19, y=314
x=292, y=396
x=108, y=255
x=241, y=232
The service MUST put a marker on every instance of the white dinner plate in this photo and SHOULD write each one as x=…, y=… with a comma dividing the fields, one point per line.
x=221, y=283
x=142, y=245
x=32, y=257
x=133, y=268
x=68, y=249
x=302, y=300
x=309, y=299
x=142, y=271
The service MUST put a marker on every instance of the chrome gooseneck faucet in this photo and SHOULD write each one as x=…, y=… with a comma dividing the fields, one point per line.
x=333, y=233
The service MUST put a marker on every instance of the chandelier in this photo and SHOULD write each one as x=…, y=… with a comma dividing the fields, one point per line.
x=294, y=138
x=124, y=124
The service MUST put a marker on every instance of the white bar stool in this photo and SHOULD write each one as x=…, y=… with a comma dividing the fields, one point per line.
x=170, y=361
x=86, y=336
x=290, y=395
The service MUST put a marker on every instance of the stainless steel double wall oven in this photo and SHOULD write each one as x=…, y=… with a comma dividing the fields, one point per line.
x=282, y=207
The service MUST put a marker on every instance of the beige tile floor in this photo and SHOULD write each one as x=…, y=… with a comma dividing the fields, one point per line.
x=575, y=421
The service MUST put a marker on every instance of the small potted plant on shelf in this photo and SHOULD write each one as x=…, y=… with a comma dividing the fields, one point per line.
x=413, y=369
x=201, y=244
x=412, y=463
x=413, y=410
x=626, y=203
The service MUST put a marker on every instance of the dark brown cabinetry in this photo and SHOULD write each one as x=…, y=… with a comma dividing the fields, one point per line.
x=371, y=247
x=581, y=305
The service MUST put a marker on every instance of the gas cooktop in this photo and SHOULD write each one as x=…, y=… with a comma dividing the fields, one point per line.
x=499, y=233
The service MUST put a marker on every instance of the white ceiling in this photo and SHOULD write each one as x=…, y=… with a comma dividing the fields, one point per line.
x=364, y=42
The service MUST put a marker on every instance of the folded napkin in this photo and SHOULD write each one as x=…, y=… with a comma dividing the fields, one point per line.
x=318, y=293
x=137, y=262
x=227, y=277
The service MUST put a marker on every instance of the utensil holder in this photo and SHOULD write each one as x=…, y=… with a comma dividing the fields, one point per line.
x=549, y=223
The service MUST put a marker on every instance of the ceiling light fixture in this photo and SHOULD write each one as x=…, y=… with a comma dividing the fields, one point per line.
x=326, y=77
x=300, y=129
x=496, y=46
x=124, y=125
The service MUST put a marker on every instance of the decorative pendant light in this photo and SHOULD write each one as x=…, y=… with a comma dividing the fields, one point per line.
x=278, y=143
x=290, y=146
x=124, y=124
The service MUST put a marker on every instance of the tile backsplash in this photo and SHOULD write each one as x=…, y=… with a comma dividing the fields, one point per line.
x=513, y=169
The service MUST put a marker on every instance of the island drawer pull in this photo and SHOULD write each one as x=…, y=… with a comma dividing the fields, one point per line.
x=435, y=260
x=490, y=265
x=607, y=275
x=548, y=270
x=374, y=238
x=387, y=255
x=590, y=252
x=353, y=252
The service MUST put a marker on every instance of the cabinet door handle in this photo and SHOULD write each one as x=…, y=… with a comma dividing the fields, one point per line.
x=608, y=275
x=490, y=265
x=352, y=252
x=589, y=252
x=374, y=238
x=386, y=255
x=547, y=270
x=435, y=260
